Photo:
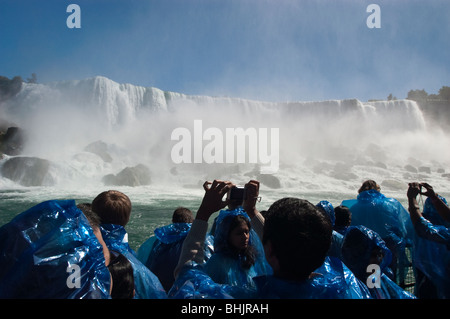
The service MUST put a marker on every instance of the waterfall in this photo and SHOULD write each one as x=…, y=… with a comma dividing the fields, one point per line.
x=342, y=140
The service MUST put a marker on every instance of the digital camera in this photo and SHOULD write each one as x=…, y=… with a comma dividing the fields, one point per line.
x=237, y=193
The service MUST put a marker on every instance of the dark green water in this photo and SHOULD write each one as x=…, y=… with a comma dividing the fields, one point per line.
x=147, y=213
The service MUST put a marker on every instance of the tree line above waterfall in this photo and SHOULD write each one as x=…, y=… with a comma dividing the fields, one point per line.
x=435, y=107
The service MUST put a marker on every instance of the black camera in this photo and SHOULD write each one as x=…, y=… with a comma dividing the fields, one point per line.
x=237, y=193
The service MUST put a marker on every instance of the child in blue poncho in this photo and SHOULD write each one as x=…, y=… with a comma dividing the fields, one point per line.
x=160, y=253
x=114, y=210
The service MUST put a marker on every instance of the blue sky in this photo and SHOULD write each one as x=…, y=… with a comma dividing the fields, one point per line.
x=273, y=50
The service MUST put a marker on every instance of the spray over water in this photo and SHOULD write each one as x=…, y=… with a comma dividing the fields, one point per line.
x=323, y=146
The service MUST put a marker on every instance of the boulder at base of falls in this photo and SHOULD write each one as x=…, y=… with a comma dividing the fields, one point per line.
x=138, y=175
x=99, y=148
x=12, y=141
x=28, y=171
x=269, y=180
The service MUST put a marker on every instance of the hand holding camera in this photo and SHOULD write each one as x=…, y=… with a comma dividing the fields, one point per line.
x=213, y=201
x=418, y=188
x=213, y=198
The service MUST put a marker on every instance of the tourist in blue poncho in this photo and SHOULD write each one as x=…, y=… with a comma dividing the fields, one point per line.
x=387, y=217
x=296, y=238
x=51, y=251
x=432, y=243
x=238, y=253
x=160, y=253
x=367, y=256
x=114, y=209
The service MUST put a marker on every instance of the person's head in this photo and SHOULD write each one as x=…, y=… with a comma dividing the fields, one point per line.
x=239, y=233
x=328, y=209
x=343, y=216
x=362, y=247
x=232, y=236
x=94, y=221
x=182, y=215
x=113, y=207
x=122, y=283
x=296, y=238
x=368, y=185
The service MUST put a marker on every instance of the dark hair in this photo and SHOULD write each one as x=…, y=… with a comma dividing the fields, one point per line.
x=93, y=218
x=182, y=215
x=248, y=255
x=122, y=277
x=300, y=235
x=343, y=216
x=113, y=207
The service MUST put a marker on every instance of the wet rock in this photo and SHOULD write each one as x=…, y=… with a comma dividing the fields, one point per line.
x=269, y=180
x=410, y=168
x=99, y=148
x=11, y=141
x=138, y=175
x=424, y=169
x=394, y=184
x=28, y=171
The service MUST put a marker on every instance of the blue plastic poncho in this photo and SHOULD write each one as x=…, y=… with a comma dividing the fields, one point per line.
x=332, y=280
x=164, y=255
x=223, y=266
x=336, y=238
x=358, y=252
x=50, y=251
x=432, y=249
x=193, y=283
x=387, y=217
x=431, y=214
x=328, y=208
x=147, y=285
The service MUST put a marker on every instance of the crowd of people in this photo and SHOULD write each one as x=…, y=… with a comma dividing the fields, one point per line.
x=294, y=249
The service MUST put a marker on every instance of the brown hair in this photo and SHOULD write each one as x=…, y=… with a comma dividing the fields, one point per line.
x=182, y=215
x=368, y=185
x=113, y=207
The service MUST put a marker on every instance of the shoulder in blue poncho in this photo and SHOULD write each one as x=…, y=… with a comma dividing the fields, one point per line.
x=147, y=285
x=165, y=252
x=432, y=250
x=332, y=280
x=50, y=251
x=362, y=248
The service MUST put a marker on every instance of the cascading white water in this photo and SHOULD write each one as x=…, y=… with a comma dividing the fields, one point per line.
x=323, y=145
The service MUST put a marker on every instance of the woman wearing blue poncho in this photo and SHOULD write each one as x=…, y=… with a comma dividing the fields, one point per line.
x=432, y=243
x=238, y=253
